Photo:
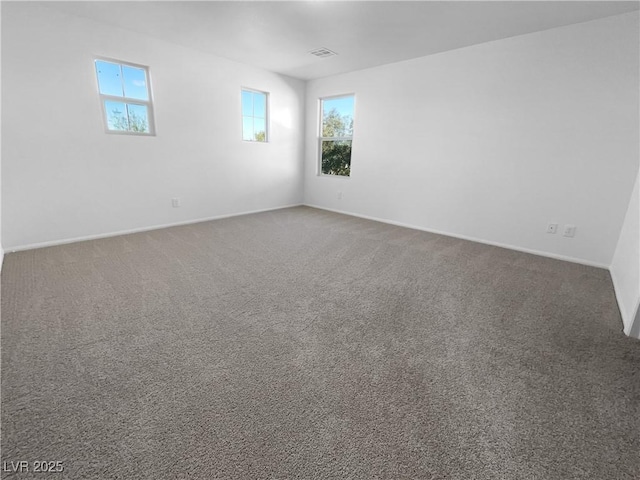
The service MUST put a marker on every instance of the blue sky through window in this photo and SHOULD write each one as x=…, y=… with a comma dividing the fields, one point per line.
x=254, y=116
x=122, y=80
x=247, y=103
x=109, y=78
x=247, y=128
x=337, y=116
x=344, y=105
x=135, y=83
x=128, y=83
x=259, y=105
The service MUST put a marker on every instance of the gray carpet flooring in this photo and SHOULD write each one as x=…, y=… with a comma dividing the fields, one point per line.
x=305, y=344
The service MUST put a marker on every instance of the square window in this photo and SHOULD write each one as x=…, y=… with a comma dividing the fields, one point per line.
x=126, y=97
x=255, y=116
x=336, y=135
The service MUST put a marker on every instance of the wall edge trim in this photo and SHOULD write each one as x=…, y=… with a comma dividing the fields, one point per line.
x=634, y=331
x=541, y=253
x=627, y=323
x=53, y=243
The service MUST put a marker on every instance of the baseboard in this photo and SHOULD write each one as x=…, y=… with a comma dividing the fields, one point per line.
x=628, y=323
x=555, y=256
x=1, y=258
x=53, y=243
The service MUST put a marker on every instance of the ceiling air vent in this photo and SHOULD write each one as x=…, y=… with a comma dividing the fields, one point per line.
x=322, y=52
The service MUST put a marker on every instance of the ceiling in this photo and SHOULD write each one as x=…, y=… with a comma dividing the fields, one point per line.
x=279, y=35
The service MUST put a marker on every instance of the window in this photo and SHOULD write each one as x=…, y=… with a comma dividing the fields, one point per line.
x=254, y=116
x=336, y=134
x=125, y=96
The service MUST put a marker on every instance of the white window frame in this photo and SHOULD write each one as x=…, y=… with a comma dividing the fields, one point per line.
x=334, y=139
x=147, y=103
x=267, y=111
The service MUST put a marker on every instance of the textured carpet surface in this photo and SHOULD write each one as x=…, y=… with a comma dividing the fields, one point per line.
x=301, y=343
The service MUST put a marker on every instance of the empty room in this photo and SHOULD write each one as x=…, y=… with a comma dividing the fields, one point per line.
x=320, y=240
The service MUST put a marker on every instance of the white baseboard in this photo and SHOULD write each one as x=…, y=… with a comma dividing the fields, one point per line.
x=631, y=325
x=627, y=322
x=65, y=241
x=466, y=237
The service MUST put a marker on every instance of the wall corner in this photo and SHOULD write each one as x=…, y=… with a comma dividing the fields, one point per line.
x=635, y=325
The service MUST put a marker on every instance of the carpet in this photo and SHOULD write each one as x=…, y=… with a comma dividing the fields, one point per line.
x=301, y=343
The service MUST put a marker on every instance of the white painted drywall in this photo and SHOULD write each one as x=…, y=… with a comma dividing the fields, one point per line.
x=1, y=249
x=64, y=178
x=494, y=141
x=625, y=268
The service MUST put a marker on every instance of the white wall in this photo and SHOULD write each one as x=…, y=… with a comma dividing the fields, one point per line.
x=64, y=178
x=495, y=141
x=490, y=142
x=625, y=268
x=1, y=248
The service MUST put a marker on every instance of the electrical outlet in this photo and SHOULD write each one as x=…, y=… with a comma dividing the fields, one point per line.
x=569, y=231
x=175, y=202
x=552, y=228
x=339, y=195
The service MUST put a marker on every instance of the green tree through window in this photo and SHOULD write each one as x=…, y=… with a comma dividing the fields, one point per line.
x=336, y=135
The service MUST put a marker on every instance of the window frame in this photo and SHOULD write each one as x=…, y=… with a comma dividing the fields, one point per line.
x=126, y=100
x=333, y=139
x=267, y=115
